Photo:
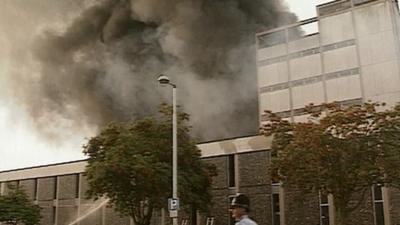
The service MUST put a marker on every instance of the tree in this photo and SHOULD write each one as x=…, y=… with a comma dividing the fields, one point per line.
x=131, y=165
x=16, y=208
x=343, y=153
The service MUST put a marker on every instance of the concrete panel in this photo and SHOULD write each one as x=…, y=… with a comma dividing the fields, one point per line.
x=304, y=67
x=381, y=78
x=66, y=215
x=277, y=101
x=343, y=88
x=336, y=28
x=340, y=59
x=271, y=52
x=46, y=188
x=304, y=95
x=272, y=74
x=235, y=145
x=377, y=48
x=373, y=19
x=390, y=99
x=304, y=43
x=67, y=186
x=29, y=186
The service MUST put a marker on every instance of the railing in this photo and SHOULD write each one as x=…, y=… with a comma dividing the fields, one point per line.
x=307, y=27
x=287, y=33
x=333, y=7
x=337, y=6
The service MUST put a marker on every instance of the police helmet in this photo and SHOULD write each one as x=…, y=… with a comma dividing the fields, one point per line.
x=242, y=201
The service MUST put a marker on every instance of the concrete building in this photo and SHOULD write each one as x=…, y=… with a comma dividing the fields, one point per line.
x=349, y=53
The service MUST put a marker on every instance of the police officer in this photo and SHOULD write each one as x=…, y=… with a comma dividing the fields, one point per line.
x=240, y=207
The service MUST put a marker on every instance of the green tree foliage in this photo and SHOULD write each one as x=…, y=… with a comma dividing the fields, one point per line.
x=344, y=152
x=131, y=164
x=16, y=208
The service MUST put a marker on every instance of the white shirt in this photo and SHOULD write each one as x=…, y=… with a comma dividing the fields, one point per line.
x=245, y=220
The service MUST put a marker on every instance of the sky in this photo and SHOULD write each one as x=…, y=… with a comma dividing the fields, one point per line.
x=20, y=144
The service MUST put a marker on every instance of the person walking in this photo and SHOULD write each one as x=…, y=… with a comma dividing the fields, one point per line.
x=240, y=207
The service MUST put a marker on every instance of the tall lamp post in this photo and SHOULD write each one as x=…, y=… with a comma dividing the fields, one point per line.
x=174, y=202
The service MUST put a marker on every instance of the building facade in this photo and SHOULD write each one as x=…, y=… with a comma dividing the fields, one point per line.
x=349, y=53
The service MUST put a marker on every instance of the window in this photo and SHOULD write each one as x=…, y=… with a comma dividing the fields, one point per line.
x=231, y=171
x=35, y=189
x=271, y=39
x=77, y=185
x=379, y=214
x=55, y=187
x=303, y=30
x=324, y=209
x=275, y=201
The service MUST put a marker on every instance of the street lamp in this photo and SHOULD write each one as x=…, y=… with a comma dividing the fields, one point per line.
x=174, y=204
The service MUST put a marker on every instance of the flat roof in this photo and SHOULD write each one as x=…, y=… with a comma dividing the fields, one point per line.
x=221, y=147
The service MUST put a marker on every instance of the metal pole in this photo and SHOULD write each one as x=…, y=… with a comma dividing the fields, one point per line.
x=174, y=152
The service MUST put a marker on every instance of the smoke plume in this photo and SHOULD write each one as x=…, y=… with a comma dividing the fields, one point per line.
x=101, y=64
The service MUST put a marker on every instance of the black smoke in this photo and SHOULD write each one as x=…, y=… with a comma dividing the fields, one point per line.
x=103, y=65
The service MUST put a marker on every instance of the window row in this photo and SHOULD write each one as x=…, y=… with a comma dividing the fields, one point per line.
x=60, y=187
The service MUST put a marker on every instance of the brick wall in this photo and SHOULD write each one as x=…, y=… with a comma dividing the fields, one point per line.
x=94, y=218
x=394, y=206
x=255, y=181
x=301, y=209
x=9, y=184
x=221, y=164
x=29, y=186
x=66, y=214
x=67, y=186
x=48, y=214
x=112, y=218
x=46, y=188
x=364, y=214
x=221, y=191
x=84, y=186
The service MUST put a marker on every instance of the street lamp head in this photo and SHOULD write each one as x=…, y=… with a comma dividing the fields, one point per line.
x=162, y=79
